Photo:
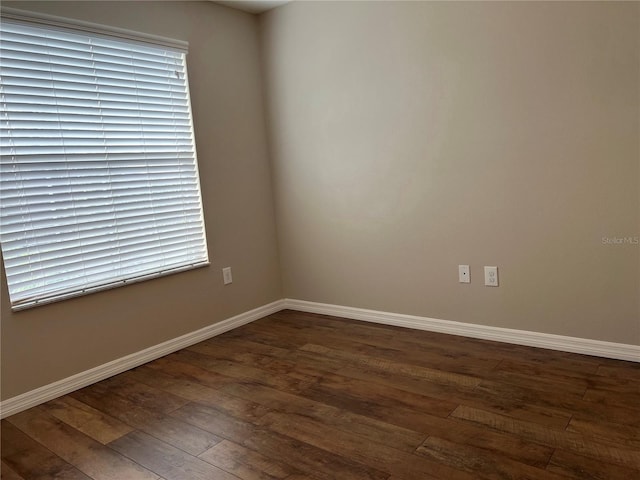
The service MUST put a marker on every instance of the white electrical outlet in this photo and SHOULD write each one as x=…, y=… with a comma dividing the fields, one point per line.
x=491, y=276
x=227, y=278
x=463, y=274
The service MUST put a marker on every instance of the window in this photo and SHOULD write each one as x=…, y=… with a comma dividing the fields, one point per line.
x=98, y=175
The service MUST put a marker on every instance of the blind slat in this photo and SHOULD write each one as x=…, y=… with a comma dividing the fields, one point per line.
x=80, y=255
x=46, y=234
x=144, y=265
x=42, y=221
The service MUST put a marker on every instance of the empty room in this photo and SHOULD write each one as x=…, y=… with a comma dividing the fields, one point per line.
x=323, y=240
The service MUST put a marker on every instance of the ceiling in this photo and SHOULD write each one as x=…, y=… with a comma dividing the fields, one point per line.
x=252, y=6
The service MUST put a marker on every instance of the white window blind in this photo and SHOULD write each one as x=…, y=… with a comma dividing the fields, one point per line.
x=98, y=174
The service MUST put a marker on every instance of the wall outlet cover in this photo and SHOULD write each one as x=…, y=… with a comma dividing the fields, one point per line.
x=491, y=276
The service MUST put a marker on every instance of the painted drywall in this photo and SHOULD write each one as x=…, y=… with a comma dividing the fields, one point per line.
x=49, y=343
x=409, y=137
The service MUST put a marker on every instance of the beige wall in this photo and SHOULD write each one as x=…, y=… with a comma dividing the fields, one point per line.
x=49, y=343
x=408, y=138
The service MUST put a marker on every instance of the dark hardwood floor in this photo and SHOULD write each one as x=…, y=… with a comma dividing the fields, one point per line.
x=300, y=396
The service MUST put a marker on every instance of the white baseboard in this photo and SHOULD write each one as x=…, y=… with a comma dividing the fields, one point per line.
x=583, y=346
x=62, y=387
x=619, y=351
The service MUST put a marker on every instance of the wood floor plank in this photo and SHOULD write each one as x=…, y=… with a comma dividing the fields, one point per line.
x=617, y=454
x=602, y=413
x=272, y=399
x=242, y=372
x=283, y=401
x=361, y=449
x=237, y=348
x=623, y=370
x=8, y=473
x=629, y=399
x=86, y=419
x=397, y=407
x=139, y=394
x=233, y=397
x=459, y=362
x=311, y=460
x=76, y=448
x=31, y=460
x=395, y=436
x=349, y=332
x=245, y=463
x=508, y=446
x=579, y=467
x=548, y=415
x=327, y=324
x=538, y=378
x=386, y=347
x=394, y=368
x=177, y=433
x=480, y=462
x=554, y=418
x=557, y=409
x=315, y=462
x=455, y=345
x=197, y=392
x=168, y=461
x=383, y=393
x=216, y=421
x=179, y=367
x=606, y=432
